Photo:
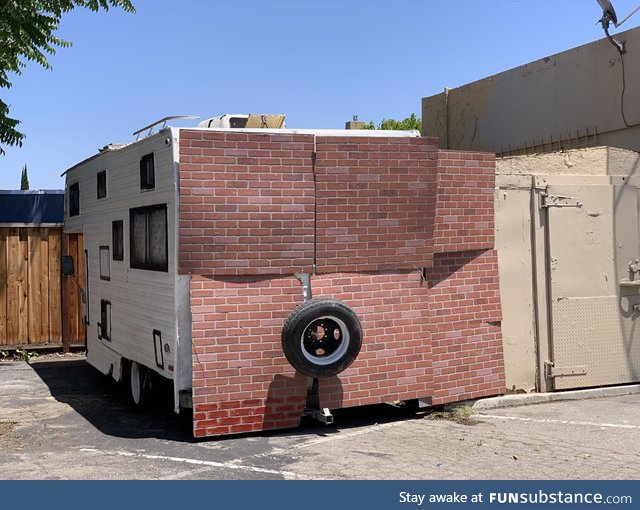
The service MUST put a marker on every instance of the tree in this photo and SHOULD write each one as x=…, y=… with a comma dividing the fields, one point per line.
x=27, y=33
x=410, y=123
x=24, y=181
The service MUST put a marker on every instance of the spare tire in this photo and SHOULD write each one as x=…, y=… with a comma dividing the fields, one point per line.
x=321, y=337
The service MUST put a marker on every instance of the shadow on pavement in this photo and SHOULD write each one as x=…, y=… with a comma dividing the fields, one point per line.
x=104, y=403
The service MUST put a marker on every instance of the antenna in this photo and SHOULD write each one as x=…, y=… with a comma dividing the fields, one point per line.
x=609, y=16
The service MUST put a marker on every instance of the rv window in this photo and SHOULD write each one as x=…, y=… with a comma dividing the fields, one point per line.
x=148, y=237
x=104, y=327
x=237, y=122
x=117, y=239
x=147, y=172
x=74, y=199
x=102, y=184
x=105, y=263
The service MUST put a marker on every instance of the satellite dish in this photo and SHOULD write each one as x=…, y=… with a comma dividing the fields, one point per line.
x=608, y=13
x=608, y=16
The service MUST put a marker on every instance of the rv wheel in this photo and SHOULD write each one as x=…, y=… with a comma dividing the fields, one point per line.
x=321, y=337
x=138, y=383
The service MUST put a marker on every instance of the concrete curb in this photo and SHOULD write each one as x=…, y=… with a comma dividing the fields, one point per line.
x=525, y=399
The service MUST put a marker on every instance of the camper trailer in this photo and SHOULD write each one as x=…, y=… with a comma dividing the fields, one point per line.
x=271, y=273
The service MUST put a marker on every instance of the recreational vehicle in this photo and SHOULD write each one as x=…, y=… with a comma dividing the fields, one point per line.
x=270, y=273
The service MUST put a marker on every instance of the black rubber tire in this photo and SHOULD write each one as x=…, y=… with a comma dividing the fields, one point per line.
x=333, y=352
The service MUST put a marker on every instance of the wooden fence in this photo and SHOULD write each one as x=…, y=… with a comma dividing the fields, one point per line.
x=39, y=306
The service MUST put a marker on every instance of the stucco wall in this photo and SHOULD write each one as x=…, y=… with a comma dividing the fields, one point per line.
x=570, y=99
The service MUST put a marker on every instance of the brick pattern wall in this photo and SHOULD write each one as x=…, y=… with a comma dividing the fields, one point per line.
x=246, y=203
x=247, y=209
x=464, y=218
x=373, y=195
x=242, y=381
x=466, y=339
x=395, y=360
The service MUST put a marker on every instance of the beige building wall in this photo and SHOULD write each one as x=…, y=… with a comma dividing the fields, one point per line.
x=571, y=99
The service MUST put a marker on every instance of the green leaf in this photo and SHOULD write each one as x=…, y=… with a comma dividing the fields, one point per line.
x=411, y=123
x=27, y=34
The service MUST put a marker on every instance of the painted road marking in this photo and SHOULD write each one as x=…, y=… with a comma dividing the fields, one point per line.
x=346, y=435
x=561, y=422
x=196, y=462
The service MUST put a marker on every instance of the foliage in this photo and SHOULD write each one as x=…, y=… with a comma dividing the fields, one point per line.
x=410, y=123
x=18, y=355
x=24, y=355
x=27, y=33
x=24, y=180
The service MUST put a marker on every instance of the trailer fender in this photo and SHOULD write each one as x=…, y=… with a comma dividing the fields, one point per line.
x=321, y=337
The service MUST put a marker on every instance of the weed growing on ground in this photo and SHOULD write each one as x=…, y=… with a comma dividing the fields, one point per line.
x=459, y=414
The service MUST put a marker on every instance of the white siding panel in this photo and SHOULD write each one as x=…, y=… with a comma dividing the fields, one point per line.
x=141, y=300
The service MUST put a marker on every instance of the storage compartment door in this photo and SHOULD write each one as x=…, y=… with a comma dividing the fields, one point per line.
x=592, y=237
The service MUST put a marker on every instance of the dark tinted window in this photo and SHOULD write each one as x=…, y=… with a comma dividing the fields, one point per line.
x=74, y=199
x=102, y=184
x=117, y=239
x=147, y=172
x=148, y=237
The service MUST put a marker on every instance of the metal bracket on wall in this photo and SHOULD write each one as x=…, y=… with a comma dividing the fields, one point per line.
x=313, y=409
x=547, y=201
x=550, y=371
x=305, y=280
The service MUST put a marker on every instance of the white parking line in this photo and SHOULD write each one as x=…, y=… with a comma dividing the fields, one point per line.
x=346, y=435
x=560, y=422
x=197, y=462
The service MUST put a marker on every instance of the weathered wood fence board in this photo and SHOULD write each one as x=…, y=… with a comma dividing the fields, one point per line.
x=3, y=286
x=72, y=306
x=31, y=288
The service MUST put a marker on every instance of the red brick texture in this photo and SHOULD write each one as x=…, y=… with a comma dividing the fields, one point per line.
x=256, y=208
x=242, y=381
x=466, y=340
x=372, y=198
x=246, y=203
x=464, y=217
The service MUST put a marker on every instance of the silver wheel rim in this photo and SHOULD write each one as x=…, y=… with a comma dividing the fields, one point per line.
x=338, y=353
x=136, y=386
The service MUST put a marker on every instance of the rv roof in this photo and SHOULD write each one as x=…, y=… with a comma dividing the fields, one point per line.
x=317, y=132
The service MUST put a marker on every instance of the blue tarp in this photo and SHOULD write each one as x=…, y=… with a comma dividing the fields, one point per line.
x=32, y=207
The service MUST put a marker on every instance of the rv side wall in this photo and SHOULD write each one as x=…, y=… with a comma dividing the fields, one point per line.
x=131, y=311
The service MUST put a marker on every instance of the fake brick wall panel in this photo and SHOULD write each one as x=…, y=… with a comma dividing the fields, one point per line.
x=241, y=379
x=375, y=203
x=395, y=360
x=464, y=218
x=246, y=225
x=464, y=300
x=246, y=203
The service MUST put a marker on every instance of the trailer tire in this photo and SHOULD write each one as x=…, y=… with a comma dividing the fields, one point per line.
x=138, y=378
x=321, y=337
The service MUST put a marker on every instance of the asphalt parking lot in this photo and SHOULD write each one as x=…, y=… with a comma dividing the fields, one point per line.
x=63, y=420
